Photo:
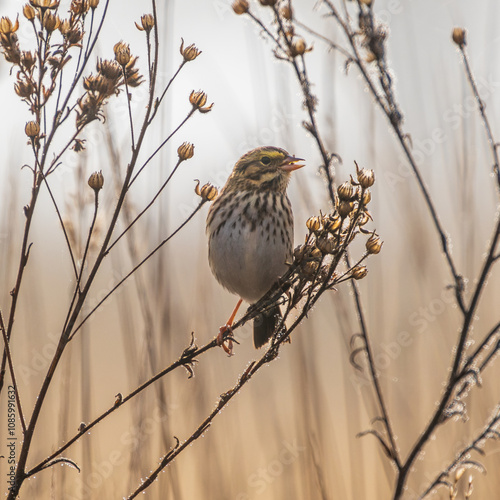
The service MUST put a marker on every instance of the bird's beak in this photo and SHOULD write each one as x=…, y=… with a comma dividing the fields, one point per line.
x=290, y=163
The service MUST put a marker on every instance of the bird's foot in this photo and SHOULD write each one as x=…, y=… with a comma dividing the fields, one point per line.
x=224, y=336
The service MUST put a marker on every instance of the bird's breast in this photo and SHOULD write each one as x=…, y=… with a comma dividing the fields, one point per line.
x=250, y=241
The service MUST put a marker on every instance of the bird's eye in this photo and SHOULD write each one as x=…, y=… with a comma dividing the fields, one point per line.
x=265, y=160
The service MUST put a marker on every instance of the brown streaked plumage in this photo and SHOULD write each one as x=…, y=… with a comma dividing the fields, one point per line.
x=250, y=230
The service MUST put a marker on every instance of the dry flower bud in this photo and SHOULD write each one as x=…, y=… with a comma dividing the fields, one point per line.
x=240, y=6
x=79, y=7
x=93, y=4
x=51, y=21
x=32, y=129
x=96, y=181
x=373, y=244
x=345, y=208
x=190, y=53
x=29, y=12
x=298, y=47
x=45, y=4
x=313, y=224
x=208, y=192
x=359, y=272
x=363, y=219
x=310, y=268
x=326, y=244
x=458, y=36
x=331, y=223
x=24, y=88
x=366, y=177
x=185, y=151
x=28, y=59
x=286, y=12
x=198, y=100
x=346, y=191
x=7, y=27
x=268, y=3
x=78, y=145
x=367, y=197
x=109, y=69
x=122, y=53
x=147, y=23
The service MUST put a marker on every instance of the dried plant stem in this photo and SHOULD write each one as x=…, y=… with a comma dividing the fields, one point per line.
x=147, y=207
x=254, y=367
x=462, y=459
x=157, y=150
x=391, y=447
x=301, y=73
x=393, y=113
x=189, y=356
x=143, y=261
x=484, y=117
x=12, y=373
x=61, y=222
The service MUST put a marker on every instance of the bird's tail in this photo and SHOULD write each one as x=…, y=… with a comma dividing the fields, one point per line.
x=264, y=325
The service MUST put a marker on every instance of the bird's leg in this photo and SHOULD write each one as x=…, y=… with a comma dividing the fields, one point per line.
x=225, y=328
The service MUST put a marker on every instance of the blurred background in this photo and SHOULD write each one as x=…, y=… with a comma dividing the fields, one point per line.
x=291, y=433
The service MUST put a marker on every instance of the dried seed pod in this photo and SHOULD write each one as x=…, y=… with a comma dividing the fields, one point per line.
x=240, y=7
x=366, y=177
x=331, y=223
x=190, y=53
x=326, y=244
x=359, y=272
x=458, y=36
x=96, y=181
x=29, y=12
x=314, y=224
x=346, y=191
x=345, y=208
x=122, y=53
x=286, y=12
x=185, y=151
x=198, y=100
x=298, y=47
x=147, y=23
x=208, y=192
x=32, y=129
x=367, y=196
x=309, y=269
x=374, y=244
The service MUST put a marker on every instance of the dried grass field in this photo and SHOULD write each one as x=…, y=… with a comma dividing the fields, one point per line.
x=383, y=381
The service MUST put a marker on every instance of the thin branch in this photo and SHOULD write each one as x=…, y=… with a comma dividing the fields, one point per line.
x=482, y=109
x=462, y=457
x=148, y=206
x=12, y=374
x=166, y=240
x=156, y=151
x=188, y=356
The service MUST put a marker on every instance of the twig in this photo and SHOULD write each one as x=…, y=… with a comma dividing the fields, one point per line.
x=147, y=207
x=12, y=374
x=166, y=240
x=462, y=458
x=482, y=109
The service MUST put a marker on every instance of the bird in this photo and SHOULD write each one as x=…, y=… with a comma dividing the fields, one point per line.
x=250, y=232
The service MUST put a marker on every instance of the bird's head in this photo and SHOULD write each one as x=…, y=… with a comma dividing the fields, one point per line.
x=264, y=168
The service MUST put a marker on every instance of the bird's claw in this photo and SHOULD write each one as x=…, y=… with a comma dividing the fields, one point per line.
x=226, y=335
